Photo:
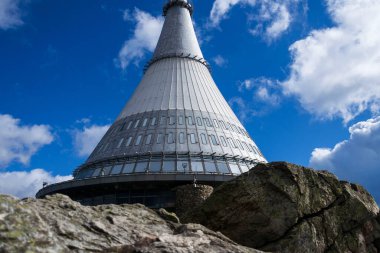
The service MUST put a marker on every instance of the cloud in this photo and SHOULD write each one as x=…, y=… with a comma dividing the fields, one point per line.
x=220, y=61
x=19, y=143
x=87, y=138
x=26, y=184
x=356, y=159
x=263, y=94
x=144, y=39
x=335, y=71
x=10, y=16
x=269, y=18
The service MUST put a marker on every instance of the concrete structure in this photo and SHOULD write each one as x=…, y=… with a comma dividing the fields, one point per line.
x=175, y=128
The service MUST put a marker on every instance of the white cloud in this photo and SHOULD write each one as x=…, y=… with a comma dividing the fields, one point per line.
x=270, y=18
x=144, y=39
x=26, y=184
x=19, y=143
x=219, y=61
x=356, y=159
x=10, y=16
x=86, y=139
x=335, y=71
x=259, y=95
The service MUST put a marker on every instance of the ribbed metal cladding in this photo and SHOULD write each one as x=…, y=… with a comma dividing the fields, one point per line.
x=176, y=127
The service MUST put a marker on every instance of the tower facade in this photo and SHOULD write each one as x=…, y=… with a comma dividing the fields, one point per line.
x=176, y=128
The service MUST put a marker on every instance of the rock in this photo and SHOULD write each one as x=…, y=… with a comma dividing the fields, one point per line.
x=58, y=224
x=168, y=216
x=191, y=196
x=281, y=207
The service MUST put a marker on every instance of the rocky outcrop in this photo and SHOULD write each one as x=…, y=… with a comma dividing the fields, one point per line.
x=281, y=207
x=191, y=196
x=58, y=224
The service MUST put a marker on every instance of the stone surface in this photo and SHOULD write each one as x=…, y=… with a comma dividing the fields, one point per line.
x=190, y=196
x=58, y=224
x=282, y=207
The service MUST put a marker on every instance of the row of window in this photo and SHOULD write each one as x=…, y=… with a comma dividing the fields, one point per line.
x=171, y=120
x=192, y=138
x=167, y=166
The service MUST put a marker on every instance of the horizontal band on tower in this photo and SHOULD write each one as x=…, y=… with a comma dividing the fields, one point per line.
x=180, y=3
x=181, y=55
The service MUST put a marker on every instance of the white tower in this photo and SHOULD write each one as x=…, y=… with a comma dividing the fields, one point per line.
x=177, y=126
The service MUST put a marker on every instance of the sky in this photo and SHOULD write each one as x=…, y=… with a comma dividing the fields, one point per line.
x=303, y=77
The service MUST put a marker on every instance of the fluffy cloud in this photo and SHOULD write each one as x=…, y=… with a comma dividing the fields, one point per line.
x=10, y=16
x=270, y=18
x=87, y=138
x=356, y=159
x=26, y=184
x=19, y=143
x=263, y=95
x=219, y=61
x=144, y=39
x=335, y=71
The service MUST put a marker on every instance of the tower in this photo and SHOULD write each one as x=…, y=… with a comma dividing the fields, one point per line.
x=175, y=129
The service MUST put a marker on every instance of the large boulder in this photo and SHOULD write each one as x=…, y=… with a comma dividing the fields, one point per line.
x=282, y=207
x=58, y=224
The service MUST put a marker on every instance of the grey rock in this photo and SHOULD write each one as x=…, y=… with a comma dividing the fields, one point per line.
x=281, y=207
x=58, y=224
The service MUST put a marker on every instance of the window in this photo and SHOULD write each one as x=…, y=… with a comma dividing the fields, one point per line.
x=235, y=129
x=163, y=120
x=196, y=166
x=207, y=122
x=171, y=138
x=171, y=120
x=203, y=138
x=234, y=168
x=224, y=143
x=183, y=166
x=181, y=138
x=232, y=143
x=180, y=120
x=216, y=123
x=117, y=169
x=241, y=146
x=120, y=142
x=122, y=127
x=148, y=139
x=210, y=166
x=153, y=122
x=106, y=170
x=246, y=147
x=129, y=124
x=253, y=148
x=244, y=167
x=229, y=126
x=159, y=138
x=190, y=120
x=193, y=140
x=97, y=172
x=222, y=124
x=222, y=167
x=214, y=140
x=145, y=122
x=141, y=167
x=105, y=147
x=137, y=123
x=155, y=166
x=129, y=141
x=199, y=121
x=168, y=166
x=128, y=168
x=138, y=140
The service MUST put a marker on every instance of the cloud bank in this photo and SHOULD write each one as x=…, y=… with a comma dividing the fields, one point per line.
x=356, y=159
x=26, y=184
x=18, y=143
x=10, y=16
x=335, y=71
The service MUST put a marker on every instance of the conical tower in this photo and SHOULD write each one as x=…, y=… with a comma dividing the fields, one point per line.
x=175, y=128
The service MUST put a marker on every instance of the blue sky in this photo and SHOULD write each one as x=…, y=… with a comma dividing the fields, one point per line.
x=303, y=77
